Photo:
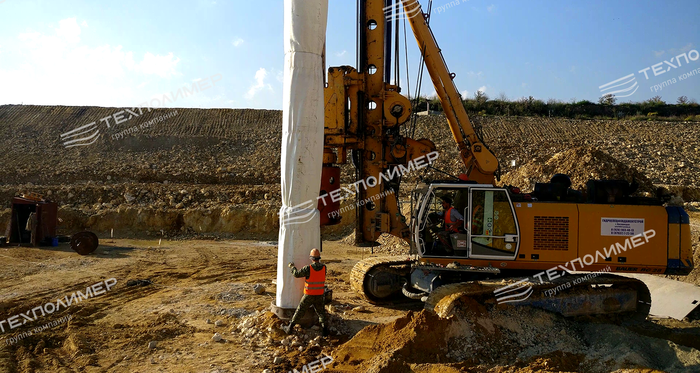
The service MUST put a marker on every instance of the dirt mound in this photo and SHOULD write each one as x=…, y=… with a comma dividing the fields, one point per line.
x=581, y=164
x=388, y=244
x=223, y=157
x=487, y=339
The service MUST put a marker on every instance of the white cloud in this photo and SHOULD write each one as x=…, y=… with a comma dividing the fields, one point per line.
x=524, y=85
x=238, y=42
x=465, y=94
x=163, y=66
x=482, y=89
x=68, y=30
x=491, y=8
x=472, y=74
x=573, y=69
x=341, y=54
x=55, y=67
x=674, y=51
x=259, y=85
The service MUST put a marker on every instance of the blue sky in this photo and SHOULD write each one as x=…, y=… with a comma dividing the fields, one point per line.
x=124, y=53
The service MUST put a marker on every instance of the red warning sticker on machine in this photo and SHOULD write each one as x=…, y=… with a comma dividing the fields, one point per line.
x=621, y=226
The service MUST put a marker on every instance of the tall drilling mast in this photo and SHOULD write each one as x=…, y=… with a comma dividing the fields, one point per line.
x=364, y=114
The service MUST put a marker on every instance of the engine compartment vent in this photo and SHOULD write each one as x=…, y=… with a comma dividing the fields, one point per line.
x=551, y=233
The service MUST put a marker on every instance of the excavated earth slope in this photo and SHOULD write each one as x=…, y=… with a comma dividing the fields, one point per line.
x=213, y=170
x=217, y=172
x=479, y=340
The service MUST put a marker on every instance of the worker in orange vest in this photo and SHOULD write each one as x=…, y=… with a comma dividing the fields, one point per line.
x=314, y=291
x=453, y=222
x=453, y=219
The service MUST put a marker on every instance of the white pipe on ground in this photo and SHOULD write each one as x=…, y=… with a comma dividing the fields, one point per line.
x=302, y=142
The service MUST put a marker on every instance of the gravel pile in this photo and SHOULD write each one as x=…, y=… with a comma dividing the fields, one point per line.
x=225, y=163
x=581, y=164
x=489, y=339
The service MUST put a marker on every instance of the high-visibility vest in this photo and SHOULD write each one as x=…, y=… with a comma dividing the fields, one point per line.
x=316, y=283
x=449, y=222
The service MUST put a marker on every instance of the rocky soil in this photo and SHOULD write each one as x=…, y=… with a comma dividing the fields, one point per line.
x=207, y=171
x=215, y=174
x=479, y=340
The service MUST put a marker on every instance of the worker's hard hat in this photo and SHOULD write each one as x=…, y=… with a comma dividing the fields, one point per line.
x=315, y=254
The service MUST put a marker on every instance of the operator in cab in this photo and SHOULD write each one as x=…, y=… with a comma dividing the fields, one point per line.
x=314, y=291
x=453, y=221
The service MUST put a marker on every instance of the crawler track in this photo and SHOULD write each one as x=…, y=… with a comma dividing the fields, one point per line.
x=603, y=295
x=395, y=264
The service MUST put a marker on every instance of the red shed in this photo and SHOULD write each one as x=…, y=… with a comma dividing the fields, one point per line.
x=33, y=221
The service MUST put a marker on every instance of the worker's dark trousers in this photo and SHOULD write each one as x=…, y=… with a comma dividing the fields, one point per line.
x=308, y=301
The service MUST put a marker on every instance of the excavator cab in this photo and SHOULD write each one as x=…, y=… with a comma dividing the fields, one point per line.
x=489, y=228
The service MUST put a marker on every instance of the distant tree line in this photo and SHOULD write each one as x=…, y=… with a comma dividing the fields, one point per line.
x=606, y=108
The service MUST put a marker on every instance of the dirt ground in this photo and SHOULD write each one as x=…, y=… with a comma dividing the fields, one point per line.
x=199, y=288
x=201, y=194
x=192, y=282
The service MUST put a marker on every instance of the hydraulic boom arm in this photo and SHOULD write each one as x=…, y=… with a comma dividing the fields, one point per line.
x=480, y=162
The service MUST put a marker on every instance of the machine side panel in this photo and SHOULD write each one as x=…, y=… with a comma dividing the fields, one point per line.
x=609, y=229
x=548, y=231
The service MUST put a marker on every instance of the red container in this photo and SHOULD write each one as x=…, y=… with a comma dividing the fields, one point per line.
x=40, y=216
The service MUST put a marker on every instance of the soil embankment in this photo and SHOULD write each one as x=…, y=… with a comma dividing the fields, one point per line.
x=216, y=171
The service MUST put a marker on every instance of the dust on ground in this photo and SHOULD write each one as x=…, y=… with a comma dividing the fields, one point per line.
x=504, y=339
x=197, y=310
x=196, y=289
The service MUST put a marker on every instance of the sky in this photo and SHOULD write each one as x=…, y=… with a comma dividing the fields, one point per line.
x=127, y=52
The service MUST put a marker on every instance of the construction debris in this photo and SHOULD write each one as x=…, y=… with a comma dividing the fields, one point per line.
x=580, y=164
x=84, y=243
x=479, y=337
